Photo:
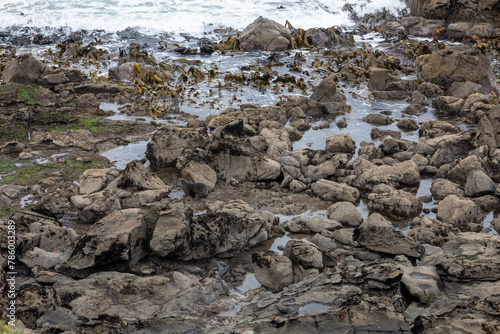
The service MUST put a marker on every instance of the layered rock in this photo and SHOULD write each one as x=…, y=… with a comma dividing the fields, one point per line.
x=378, y=234
x=104, y=191
x=456, y=63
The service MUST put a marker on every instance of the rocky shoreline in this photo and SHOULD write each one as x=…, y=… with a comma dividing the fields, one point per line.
x=340, y=239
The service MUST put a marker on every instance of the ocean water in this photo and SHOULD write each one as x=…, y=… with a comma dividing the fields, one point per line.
x=194, y=17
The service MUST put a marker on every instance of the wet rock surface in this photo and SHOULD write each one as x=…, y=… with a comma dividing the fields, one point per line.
x=365, y=199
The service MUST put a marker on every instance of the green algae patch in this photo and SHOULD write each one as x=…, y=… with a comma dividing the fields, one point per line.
x=26, y=173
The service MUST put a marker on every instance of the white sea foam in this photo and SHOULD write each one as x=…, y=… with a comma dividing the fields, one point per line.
x=190, y=16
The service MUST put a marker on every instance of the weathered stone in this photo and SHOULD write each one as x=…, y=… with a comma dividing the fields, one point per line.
x=345, y=213
x=380, y=78
x=172, y=230
x=479, y=184
x=200, y=172
x=120, y=237
x=24, y=69
x=318, y=224
x=335, y=192
x=441, y=188
x=265, y=34
x=169, y=141
x=324, y=243
x=456, y=63
x=304, y=254
x=272, y=270
x=122, y=295
x=341, y=143
x=404, y=173
x=459, y=212
x=378, y=234
x=377, y=119
x=397, y=202
x=422, y=282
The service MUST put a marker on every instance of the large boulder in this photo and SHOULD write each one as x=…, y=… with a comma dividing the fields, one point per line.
x=441, y=188
x=24, y=69
x=119, y=238
x=479, y=184
x=172, y=230
x=112, y=294
x=400, y=174
x=326, y=93
x=335, y=192
x=456, y=63
x=378, y=234
x=265, y=34
x=341, y=143
x=230, y=229
x=345, y=213
x=480, y=11
x=397, y=202
x=272, y=270
x=458, y=211
x=169, y=142
x=107, y=190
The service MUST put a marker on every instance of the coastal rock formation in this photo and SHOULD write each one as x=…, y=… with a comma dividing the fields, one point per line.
x=102, y=192
x=386, y=199
x=345, y=213
x=116, y=294
x=378, y=234
x=169, y=141
x=272, y=270
x=119, y=238
x=228, y=230
x=265, y=34
x=456, y=63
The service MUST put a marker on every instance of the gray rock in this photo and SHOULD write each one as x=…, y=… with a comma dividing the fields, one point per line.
x=345, y=213
x=306, y=255
x=457, y=211
x=272, y=270
x=379, y=235
x=265, y=34
x=120, y=237
x=324, y=243
x=379, y=78
x=335, y=192
x=200, y=172
x=116, y=294
x=397, y=202
x=318, y=224
x=422, y=282
x=377, y=119
x=172, y=230
x=341, y=143
x=479, y=184
x=24, y=69
x=457, y=63
x=169, y=141
x=404, y=173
